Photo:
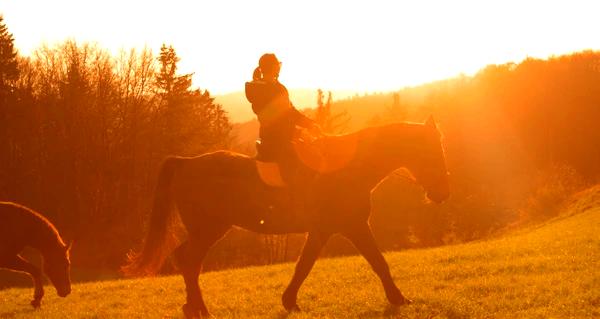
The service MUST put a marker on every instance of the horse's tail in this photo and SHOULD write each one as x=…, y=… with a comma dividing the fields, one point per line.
x=159, y=241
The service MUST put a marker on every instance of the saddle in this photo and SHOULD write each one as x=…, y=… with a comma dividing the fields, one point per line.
x=319, y=156
x=267, y=167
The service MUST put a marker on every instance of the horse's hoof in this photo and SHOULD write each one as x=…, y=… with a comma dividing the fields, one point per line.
x=289, y=303
x=190, y=313
x=36, y=303
x=293, y=308
x=398, y=299
x=205, y=314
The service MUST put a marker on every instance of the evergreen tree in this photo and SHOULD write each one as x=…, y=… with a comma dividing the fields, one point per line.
x=397, y=112
x=9, y=71
x=168, y=83
x=193, y=122
x=323, y=112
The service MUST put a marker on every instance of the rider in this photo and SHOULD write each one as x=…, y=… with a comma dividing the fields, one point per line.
x=277, y=116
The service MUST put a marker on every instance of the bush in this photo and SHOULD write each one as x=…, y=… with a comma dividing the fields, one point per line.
x=551, y=191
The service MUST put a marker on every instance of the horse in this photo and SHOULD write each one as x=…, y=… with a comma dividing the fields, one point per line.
x=218, y=190
x=21, y=227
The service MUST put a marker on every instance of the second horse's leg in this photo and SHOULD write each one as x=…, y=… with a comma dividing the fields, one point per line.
x=17, y=263
x=310, y=252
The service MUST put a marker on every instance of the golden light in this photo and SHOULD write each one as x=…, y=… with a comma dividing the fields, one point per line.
x=336, y=45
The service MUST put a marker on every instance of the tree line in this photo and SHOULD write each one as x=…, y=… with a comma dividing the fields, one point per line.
x=82, y=135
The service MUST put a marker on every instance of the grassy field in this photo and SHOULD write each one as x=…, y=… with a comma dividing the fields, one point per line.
x=546, y=271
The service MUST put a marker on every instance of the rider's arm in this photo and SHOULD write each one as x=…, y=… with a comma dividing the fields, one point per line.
x=299, y=118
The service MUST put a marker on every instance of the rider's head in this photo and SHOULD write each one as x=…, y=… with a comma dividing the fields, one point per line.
x=269, y=67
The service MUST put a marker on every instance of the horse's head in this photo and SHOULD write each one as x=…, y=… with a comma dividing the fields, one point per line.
x=429, y=168
x=57, y=267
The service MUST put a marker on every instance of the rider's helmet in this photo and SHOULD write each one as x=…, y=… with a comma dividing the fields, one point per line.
x=268, y=62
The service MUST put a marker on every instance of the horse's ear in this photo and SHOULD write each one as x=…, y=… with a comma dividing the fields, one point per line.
x=430, y=121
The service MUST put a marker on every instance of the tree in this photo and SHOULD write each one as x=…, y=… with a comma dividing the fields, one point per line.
x=397, y=112
x=168, y=83
x=9, y=74
x=330, y=123
x=193, y=123
x=9, y=71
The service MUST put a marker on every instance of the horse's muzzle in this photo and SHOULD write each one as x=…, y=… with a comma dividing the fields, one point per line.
x=438, y=197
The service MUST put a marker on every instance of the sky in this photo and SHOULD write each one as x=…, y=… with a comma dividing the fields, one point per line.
x=362, y=46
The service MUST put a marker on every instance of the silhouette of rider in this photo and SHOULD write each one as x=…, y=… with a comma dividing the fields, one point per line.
x=277, y=116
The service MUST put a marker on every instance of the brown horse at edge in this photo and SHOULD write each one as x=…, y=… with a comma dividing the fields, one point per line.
x=216, y=191
x=21, y=227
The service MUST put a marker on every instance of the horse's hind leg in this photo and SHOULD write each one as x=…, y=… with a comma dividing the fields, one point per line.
x=363, y=240
x=17, y=263
x=190, y=256
x=312, y=247
x=190, y=263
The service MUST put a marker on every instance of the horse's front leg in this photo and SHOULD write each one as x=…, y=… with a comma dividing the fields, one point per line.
x=17, y=263
x=363, y=240
x=312, y=247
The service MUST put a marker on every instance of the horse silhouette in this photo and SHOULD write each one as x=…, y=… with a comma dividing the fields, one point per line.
x=216, y=191
x=21, y=227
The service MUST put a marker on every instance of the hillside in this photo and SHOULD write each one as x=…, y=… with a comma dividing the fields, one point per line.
x=548, y=270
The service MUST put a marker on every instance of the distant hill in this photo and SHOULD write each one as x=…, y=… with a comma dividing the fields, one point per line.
x=546, y=271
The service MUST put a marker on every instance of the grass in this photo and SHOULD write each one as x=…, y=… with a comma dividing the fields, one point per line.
x=547, y=271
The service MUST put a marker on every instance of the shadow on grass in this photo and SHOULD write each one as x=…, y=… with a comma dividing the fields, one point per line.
x=283, y=314
x=389, y=311
x=27, y=311
x=12, y=279
x=419, y=309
